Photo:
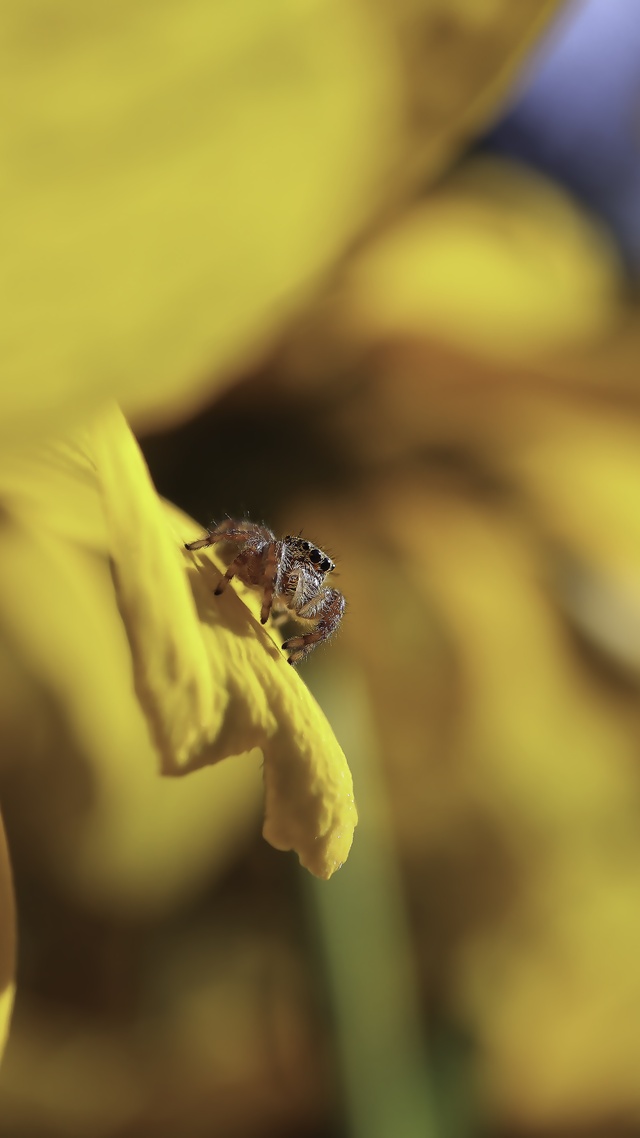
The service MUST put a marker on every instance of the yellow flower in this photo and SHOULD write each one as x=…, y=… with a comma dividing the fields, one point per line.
x=177, y=182
x=99, y=597
x=143, y=263
x=118, y=664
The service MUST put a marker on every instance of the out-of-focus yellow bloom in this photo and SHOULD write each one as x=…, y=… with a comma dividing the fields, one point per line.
x=7, y=941
x=490, y=549
x=177, y=180
x=496, y=260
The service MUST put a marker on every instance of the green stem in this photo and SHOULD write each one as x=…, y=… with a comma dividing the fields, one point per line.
x=367, y=947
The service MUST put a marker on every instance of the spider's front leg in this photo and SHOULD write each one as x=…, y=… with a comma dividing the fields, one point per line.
x=328, y=608
x=228, y=530
x=231, y=531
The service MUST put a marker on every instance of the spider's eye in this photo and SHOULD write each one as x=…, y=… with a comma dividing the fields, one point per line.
x=305, y=545
x=315, y=556
x=326, y=565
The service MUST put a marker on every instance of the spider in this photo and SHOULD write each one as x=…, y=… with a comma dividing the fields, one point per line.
x=292, y=575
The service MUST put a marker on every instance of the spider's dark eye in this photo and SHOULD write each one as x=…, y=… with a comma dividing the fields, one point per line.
x=315, y=556
x=305, y=545
x=326, y=565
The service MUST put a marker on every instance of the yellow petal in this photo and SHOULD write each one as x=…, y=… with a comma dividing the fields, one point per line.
x=460, y=58
x=182, y=694
x=7, y=941
x=217, y=687
x=561, y=1036
x=545, y=755
x=496, y=260
x=132, y=612
x=175, y=183
x=140, y=260
x=512, y=765
x=308, y=786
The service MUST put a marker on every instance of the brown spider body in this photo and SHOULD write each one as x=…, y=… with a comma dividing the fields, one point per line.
x=292, y=574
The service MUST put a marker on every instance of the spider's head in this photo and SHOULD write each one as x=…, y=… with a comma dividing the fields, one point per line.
x=306, y=551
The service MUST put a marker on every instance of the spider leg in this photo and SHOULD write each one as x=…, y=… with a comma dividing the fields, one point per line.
x=214, y=535
x=231, y=529
x=247, y=565
x=270, y=570
x=200, y=544
x=329, y=609
x=224, y=581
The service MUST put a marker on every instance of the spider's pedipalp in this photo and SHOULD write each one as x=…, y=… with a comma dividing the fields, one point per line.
x=269, y=575
x=329, y=608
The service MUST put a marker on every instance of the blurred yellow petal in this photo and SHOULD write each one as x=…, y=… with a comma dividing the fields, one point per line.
x=573, y=459
x=176, y=180
x=497, y=260
x=516, y=795
x=516, y=800
x=578, y=464
x=548, y=754
x=526, y=701
x=7, y=941
x=460, y=58
x=561, y=1037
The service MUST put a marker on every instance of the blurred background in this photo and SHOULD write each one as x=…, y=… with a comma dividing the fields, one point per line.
x=455, y=418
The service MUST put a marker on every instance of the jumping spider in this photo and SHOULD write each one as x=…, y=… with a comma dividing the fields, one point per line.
x=292, y=575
